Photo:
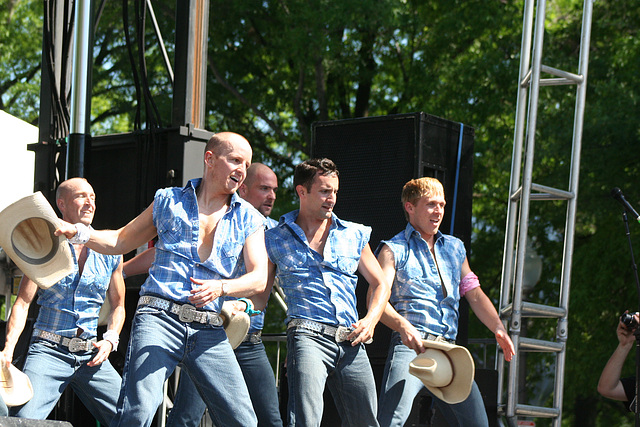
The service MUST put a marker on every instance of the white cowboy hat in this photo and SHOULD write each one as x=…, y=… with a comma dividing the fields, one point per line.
x=447, y=370
x=235, y=325
x=26, y=235
x=16, y=387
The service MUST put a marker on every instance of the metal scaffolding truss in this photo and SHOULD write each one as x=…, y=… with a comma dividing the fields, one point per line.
x=513, y=309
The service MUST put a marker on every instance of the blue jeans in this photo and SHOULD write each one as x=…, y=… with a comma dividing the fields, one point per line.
x=314, y=360
x=188, y=406
x=158, y=343
x=399, y=389
x=51, y=368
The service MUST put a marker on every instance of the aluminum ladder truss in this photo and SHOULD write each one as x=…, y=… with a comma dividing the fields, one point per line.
x=521, y=192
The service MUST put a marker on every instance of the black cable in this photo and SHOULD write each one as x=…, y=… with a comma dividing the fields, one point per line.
x=134, y=69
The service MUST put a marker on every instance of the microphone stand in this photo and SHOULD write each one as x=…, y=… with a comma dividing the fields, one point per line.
x=637, y=331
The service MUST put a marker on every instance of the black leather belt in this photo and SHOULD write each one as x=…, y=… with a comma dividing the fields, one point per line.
x=432, y=337
x=186, y=312
x=74, y=345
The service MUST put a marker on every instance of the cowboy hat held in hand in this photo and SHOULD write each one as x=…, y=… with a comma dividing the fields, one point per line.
x=26, y=235
x=235, y=325
x=447, y=370
x=16, y=387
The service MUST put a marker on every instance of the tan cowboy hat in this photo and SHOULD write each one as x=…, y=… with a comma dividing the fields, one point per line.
x=103, y=314
x=235, y=325
x=16, y=387
x=26, y=235
x=447, y=370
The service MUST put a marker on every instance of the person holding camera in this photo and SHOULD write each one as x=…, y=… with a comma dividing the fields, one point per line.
x=610, y=384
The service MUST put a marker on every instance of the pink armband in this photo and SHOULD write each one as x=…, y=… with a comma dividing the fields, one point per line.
x=470, y=281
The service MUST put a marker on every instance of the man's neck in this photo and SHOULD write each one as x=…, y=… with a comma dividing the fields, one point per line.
x=210, y=199
x=316, y=230
x=429, y=238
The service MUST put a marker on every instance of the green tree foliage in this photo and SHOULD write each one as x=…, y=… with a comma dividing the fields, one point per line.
x=277, y=66
x=20, y=50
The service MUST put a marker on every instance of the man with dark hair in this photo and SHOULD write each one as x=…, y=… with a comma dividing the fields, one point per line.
x=205, y=233
x=64, y=349
x=429, y=273
x=315, y=255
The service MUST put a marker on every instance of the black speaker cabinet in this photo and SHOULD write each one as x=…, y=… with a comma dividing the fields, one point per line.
x=376, y=156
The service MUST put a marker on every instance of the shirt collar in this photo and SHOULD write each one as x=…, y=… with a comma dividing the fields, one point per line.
x=409, y=231
x=193, y=184
x=291, y=217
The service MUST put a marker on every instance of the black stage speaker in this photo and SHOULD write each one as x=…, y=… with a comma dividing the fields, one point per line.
x=25, y=422
x=375, y=157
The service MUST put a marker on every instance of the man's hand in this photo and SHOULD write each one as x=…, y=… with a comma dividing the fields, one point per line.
x=206, y=292
x=234, y=306
x=69, y=230
x=362, y=332
x=505, y=343
x=625, y=335
x=412, y=338
x=104, y=349
x=6, y=358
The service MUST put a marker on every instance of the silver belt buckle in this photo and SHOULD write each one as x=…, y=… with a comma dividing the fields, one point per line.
x=342, y=332
x=187, y=313
x=213, y=319
x=76, y=345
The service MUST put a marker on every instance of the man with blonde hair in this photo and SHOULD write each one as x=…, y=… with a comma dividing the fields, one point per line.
x=429, y=273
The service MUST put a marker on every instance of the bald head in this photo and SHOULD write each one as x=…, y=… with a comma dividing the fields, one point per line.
x=222, y=142
x=259, y=188
x=76, y=200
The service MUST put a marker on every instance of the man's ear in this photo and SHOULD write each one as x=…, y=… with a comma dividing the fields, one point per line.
x=60, y=204
x=208, y=155
x=242, y=190
x=300, y=190
x=408, y=206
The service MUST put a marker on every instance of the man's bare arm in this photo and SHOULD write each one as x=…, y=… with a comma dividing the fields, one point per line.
x=117, y=242
x=115, y=321
x=140, y=264
x=18, y=318
x=377, y=296
x=390, y=317
x=609, y=384
x=486, y=312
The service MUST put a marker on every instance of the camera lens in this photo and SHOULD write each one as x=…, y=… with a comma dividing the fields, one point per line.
x=629, y=320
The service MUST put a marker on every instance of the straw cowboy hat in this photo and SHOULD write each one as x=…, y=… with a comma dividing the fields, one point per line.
x=16, y=387
x=447, y=370
x=235, y=325
x=26, y=235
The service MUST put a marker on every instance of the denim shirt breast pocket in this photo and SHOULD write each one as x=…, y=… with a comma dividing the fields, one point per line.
x=416, y=281
x=97, y=281
x=174, y=231
x=293, y=268
x=230, y=254
x=345, y=259
x=347, y=264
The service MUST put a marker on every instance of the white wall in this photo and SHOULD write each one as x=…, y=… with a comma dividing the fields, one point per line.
x=16, y=162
